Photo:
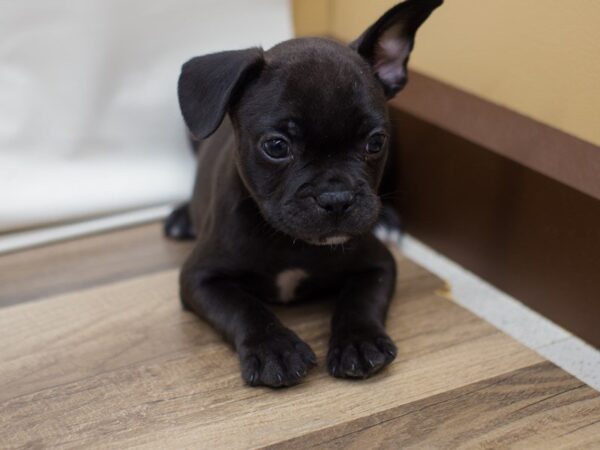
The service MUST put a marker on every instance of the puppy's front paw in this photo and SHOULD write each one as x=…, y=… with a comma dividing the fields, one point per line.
x=360, y=354
x=276, y=358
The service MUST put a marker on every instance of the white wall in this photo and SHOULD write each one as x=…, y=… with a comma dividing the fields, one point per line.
x=89, y=121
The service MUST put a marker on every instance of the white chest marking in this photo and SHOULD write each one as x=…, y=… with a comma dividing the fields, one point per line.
x=287, y=282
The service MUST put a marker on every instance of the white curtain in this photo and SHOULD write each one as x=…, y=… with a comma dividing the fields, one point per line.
x=89, y=120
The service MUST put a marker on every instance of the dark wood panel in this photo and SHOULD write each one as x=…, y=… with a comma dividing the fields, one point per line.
x=526, y=233
x=547, y=150
x=528, y=408
x=87, y=261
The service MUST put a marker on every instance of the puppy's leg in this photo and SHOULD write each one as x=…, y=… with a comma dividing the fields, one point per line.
x=178, y=224
x=359, y=345
x=270, y=354
x=389, y=225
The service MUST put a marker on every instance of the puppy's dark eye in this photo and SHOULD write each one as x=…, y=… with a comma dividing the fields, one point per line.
x=376, y=143
x=276, y=148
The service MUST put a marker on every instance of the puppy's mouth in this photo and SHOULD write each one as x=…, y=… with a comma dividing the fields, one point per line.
x=302, y=219
x=338, y=239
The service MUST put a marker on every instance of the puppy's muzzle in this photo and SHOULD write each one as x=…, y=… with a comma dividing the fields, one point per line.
x=336, y=202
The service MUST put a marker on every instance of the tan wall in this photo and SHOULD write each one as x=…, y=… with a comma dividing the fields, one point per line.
x=312, y=17
x=540, y=58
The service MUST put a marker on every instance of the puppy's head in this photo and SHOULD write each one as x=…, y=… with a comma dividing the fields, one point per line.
x=311, y=121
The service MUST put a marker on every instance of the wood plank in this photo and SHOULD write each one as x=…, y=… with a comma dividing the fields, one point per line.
x=123, y=365
x=528, y=408
x=88, y=261
x=142, y=318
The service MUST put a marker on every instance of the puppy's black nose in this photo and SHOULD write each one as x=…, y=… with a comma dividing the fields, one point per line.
x=336, y=202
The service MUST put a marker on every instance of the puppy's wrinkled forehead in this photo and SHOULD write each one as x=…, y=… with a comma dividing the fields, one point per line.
x=324, y=86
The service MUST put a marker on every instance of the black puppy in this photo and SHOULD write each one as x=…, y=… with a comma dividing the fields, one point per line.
x=286, y=193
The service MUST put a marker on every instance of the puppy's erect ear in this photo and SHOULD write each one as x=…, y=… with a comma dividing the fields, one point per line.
x=387, y=44
x=207, y=85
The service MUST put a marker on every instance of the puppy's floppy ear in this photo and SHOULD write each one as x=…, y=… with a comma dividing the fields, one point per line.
x=387, y=44
x=207, y=85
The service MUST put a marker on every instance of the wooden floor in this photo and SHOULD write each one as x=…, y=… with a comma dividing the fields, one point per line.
x=96, y=352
